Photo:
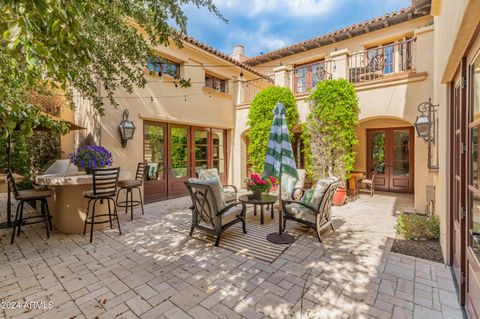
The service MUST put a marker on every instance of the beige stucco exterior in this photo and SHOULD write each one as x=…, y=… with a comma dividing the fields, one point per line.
x=438, y=49
x=385, y=103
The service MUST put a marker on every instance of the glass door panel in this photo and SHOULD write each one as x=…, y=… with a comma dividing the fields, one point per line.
x=377, y=158
x=202, y=149
x=218, y=144
x=154, y=137
x=178, y=159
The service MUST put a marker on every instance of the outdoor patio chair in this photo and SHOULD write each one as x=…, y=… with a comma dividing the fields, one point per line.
x=229, y=192
x=105, y=184
x=128, y=186
x=314, y=208
x=292, y=189
x=31, y=195
x=369, y=185
x=209, y=211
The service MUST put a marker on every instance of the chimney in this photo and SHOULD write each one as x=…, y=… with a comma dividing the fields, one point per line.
x=239, y=53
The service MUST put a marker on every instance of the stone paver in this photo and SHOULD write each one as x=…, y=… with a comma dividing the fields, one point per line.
x=152, y=271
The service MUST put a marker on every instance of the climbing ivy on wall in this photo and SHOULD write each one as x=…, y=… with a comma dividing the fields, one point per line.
x=330, y=129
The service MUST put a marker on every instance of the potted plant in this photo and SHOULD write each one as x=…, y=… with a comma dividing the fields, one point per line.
x=90, y=157
x=330, y=132
x=259, y=185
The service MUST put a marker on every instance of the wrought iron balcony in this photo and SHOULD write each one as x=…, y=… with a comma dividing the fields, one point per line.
x=381, y=62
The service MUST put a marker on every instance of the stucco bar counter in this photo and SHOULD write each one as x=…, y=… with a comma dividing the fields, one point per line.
x=67, y=205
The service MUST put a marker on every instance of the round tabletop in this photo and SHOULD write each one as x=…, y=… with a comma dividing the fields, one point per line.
x=265, y=199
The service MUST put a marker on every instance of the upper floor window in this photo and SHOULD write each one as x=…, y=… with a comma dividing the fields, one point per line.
x=163, y=66
x=307, y=76
x=215, y=83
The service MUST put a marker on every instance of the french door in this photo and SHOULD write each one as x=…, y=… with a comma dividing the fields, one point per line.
x=458, y=182
x=390, y=157
x=472, y=214
x=174, y=153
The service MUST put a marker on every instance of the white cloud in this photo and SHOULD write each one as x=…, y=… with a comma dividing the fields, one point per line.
x=295, y=8
x=262, y=40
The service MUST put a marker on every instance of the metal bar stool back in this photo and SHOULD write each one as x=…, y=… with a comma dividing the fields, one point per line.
x=128, y=186
x=31, y=195
x=105, y=184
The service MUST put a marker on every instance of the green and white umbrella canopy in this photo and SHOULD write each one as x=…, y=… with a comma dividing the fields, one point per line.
x=279, y=157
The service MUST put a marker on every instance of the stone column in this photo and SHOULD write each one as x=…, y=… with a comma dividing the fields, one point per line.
x=282, y=76
x=339, y=60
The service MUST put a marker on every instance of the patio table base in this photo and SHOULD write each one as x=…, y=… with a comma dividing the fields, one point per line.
x=282, y=238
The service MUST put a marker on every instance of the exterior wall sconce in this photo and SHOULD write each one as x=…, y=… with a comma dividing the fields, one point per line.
x=426, y=126
x=126, y=128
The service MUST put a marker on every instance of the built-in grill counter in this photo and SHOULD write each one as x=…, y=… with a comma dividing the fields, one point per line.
x=67, y=205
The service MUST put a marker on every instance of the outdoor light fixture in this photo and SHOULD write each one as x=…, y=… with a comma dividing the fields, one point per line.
x=426, y=126
x=126, y=128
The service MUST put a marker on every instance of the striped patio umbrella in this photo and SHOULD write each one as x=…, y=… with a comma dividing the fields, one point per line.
x=279, y=160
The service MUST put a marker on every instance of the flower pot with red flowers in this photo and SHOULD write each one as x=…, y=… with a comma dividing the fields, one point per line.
x=258, y=185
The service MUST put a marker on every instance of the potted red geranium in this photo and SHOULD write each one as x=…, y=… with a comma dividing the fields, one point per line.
x=259, y=185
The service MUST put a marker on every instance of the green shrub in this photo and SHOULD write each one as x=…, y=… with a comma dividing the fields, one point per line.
x=418, y=227
x=330, y=130
x=260, y=118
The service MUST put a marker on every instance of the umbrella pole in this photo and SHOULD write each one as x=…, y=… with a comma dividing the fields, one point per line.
x=280, y=204
x=9, y=199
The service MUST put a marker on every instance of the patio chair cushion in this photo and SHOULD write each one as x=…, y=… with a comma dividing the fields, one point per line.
x=308, y=196
x=210, y=173
x=301, y=212
x=216, y=193
x=229, y=195
x=320, y=189
x=289, y=183
x=231, y=214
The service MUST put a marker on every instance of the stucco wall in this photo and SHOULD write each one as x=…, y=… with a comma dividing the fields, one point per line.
x=454, y=26
x=396, y=100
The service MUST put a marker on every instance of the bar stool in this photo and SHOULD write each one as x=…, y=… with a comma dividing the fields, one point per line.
x=128, y=187
x=105, y=183
x=25, y=196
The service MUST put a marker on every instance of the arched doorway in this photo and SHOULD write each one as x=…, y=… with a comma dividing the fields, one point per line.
x=388, y=145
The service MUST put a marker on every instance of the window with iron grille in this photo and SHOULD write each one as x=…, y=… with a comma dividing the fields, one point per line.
x=215, y=83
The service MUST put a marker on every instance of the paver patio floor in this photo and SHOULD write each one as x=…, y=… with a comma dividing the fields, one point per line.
x=151, y=271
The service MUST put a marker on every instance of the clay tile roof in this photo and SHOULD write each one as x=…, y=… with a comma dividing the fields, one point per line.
x=353, y=30
x=220, y=54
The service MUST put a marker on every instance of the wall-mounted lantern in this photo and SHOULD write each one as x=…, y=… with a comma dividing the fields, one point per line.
x=426, y=126
x=126, y=128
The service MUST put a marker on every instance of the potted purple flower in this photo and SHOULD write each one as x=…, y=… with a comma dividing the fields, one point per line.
x=90, y=157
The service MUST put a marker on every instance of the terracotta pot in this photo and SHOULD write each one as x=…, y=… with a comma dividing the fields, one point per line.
x=339, y=196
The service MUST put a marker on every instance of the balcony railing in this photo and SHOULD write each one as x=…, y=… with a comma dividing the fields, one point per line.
x=381, y=62
x=307, y=76
x=253, y=87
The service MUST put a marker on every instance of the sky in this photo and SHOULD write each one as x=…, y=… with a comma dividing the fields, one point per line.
x=265, y=25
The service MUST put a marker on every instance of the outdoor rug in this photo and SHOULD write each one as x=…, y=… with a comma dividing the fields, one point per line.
x=254, y=243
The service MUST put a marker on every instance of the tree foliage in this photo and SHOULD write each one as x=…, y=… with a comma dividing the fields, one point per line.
x=88, y=47
x=260, y=118
x=330, y=129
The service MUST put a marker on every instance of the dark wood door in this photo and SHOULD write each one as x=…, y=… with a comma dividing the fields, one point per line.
x=472, y=216
x=390, y=156
x=178, y=159
x=458, y=186
x=154, y=139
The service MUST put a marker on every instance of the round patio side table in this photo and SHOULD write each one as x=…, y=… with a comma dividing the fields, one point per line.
x=266, y=199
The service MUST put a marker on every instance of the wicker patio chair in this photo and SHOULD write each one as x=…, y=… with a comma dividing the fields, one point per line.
x=209, y=211
x=315, y=212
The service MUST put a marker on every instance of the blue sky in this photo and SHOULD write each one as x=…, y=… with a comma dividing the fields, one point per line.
x=266, y=25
